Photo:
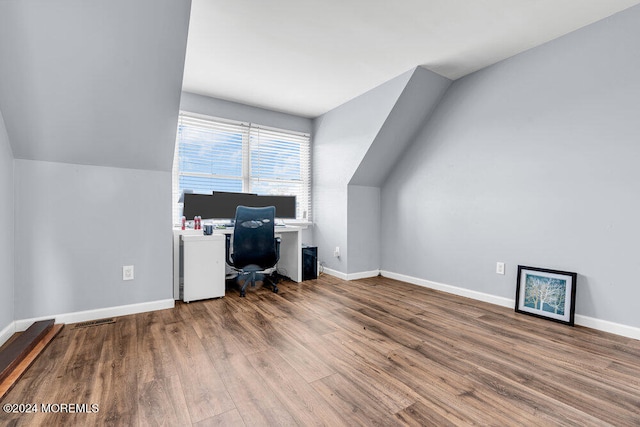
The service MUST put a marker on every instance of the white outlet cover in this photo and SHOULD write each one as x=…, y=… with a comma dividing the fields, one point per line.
x=500, y=267
x=127, y=272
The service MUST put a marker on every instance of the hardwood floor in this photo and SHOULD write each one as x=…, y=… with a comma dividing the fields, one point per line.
x=330, y=352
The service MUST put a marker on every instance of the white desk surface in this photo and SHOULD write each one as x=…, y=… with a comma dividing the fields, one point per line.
x=196, y=237
x=229, y=230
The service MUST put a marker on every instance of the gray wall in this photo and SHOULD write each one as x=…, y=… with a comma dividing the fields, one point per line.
x=245, y=113
x=363, y=229
x=416, y=103
x=90, y=94
x=356, y=146
x=76, y=226
x=533, y=161
x=6, y=230
x=341, y=139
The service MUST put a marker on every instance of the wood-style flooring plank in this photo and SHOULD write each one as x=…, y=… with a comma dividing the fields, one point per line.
x=305, y=362
x=162, y=402
x=230, y=418
x=308, y=407
x=79, y=371
x=367, y=370
x=156, y=361
x=120, y=340
x=204, y=390
x=116, y=378
x=255, y=400
x=368, y=352
x=420, y=415
x=348, y=399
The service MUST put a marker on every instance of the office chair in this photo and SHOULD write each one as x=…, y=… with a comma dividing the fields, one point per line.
x=255, y=247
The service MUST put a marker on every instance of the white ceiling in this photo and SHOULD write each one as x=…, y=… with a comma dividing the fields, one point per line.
x=307, y=57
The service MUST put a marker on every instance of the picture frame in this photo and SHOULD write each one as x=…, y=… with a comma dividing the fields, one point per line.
x=548, y=294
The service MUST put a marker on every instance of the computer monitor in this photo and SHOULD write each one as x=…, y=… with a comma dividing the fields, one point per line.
x=198, y=205
x=222, y=205
x=225, y=203
x=285, y=205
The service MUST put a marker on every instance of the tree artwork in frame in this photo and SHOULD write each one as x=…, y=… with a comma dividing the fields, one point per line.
x=549, y=294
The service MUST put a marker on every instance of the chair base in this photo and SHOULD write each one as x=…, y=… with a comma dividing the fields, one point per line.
x=252, y=281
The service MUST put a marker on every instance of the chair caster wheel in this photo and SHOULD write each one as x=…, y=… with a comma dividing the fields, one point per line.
x=242, y=295
x=275, y=290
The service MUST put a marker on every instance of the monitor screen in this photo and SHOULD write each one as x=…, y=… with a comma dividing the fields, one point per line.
x=198, y=205
x=285, y=205
x=222, y=205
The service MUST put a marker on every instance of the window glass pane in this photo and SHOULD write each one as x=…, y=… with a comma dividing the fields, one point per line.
x=275, y=188
x=210, y=151
x=205, y=185
x=275, y=159
x=220, y=155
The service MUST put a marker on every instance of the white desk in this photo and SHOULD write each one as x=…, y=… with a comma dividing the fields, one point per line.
x=290, y=263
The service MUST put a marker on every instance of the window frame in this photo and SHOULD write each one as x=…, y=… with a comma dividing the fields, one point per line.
x=249, y=131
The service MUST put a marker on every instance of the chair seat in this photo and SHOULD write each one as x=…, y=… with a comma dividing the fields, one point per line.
x=251, y=268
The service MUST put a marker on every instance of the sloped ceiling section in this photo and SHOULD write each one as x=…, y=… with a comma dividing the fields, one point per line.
x=418, y=99
x=93, y=82
x=342, y=137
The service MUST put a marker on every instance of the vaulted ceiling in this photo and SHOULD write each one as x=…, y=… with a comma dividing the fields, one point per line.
x=307, y=57
x=99, y=82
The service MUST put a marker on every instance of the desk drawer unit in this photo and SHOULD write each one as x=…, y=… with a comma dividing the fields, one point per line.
x=203, y=267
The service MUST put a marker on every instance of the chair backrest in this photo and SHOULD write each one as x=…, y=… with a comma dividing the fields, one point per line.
x=254, y=237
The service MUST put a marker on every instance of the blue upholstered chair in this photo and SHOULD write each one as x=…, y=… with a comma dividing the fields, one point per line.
x=255, y=247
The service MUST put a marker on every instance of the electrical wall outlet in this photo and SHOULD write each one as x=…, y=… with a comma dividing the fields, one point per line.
x=336, y=252
x=127, y=272
x=500, y=267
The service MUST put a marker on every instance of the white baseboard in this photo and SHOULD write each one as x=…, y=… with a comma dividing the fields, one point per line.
x=589, y=322
x=335, y=273
x=606, y=326
x=352, y=276
x=363, y=275
x=100, y=313
x=480, y=296
x=6, y=333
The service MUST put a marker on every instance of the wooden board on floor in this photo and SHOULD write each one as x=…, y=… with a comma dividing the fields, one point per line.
x=26, y=361
x=13, y=354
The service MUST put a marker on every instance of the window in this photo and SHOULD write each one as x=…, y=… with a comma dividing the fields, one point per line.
x=219, y=155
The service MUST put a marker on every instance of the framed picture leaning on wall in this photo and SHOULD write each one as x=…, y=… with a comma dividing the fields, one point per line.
x=545, y=293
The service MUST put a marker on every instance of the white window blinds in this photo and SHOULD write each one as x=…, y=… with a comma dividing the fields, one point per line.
x=219, y=155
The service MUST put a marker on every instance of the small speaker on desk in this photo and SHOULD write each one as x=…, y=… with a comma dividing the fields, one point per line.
x=309, y=263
